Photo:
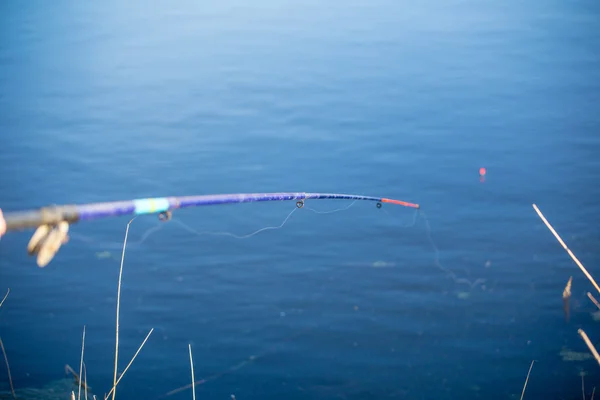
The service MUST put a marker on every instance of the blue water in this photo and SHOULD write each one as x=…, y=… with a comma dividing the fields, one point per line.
x=106, y=101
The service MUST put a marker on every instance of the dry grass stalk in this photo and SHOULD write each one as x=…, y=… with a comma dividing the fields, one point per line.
x=5, y=296
x=587, y=274
x=118, y=307
x=593, y=392
x=129, y=365
x=527, y=379
x=192, y=368
x=566, y=297
x=567, y=291
x=593, y=299
x=589, y=344
x=85, y=386
x=81, y=363
x=12, y=389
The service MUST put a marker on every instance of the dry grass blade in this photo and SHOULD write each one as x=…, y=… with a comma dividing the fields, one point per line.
x=118, y=307
x=589, y=344
x=85, y=386
x=527, y=379
x=593, y=392
x=566, y=297
x=192, y=368
x=593, y=299
x=81, y=364
x=113, y=390
x=587, y=274
x=12, y=389
x=567, y=291
x=5, y=296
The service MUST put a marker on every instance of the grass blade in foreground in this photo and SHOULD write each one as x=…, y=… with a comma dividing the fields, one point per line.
x=527, y=379
x=587, y=274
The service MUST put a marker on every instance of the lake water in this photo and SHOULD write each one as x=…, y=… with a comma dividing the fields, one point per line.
x=108, y=101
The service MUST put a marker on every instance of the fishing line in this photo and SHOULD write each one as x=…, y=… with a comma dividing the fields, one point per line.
x=149, y=232
x=417, y=215
x=233, y=235
x=116, y=245
x=331, y=211
x=405, y=225
x=182, y=225
x=438, y=263
x=299, y=205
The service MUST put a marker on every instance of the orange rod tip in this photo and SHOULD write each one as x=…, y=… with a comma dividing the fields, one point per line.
x=400, y=202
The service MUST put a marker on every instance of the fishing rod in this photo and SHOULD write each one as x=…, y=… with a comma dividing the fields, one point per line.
x=52, y=222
